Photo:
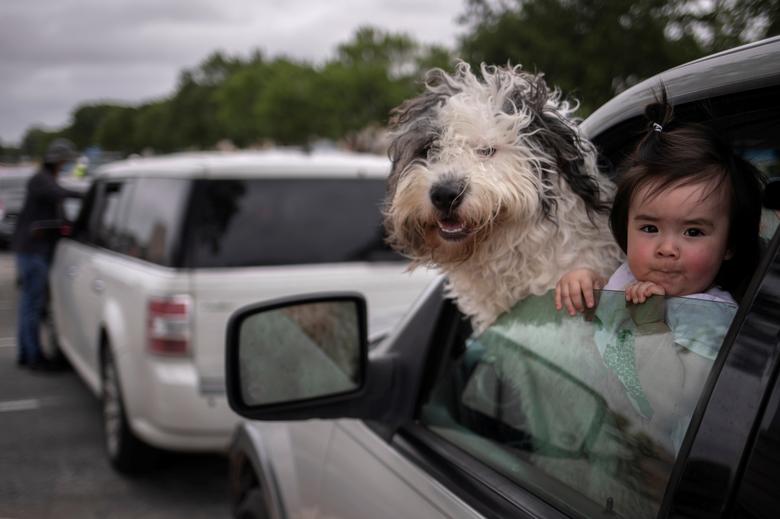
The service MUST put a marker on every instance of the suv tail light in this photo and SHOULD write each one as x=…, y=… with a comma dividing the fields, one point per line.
x=168, y=325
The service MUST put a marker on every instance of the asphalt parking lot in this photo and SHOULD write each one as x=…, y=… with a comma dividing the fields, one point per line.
x=52, y=463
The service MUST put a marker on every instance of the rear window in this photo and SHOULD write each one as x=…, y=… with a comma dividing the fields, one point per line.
x=138, y=217
x=252, y=222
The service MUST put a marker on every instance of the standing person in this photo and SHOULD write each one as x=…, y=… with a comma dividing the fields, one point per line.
x=36, y=232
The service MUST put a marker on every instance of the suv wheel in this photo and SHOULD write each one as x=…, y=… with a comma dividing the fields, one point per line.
x=127, y=453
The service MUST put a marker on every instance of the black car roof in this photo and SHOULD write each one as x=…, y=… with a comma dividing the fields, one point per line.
x=744, y=68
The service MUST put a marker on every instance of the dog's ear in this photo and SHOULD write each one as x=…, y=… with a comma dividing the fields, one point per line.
x=561, y=139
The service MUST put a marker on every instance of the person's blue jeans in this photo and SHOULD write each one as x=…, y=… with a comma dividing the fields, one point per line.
x=33, y=271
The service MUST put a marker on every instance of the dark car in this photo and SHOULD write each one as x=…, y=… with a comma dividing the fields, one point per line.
x=524, y=420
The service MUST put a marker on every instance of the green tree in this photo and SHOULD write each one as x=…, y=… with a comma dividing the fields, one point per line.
x=151, y=129
x=117, y=130
x=722, y=24
x=85, y=121
x=286, y=107
x=235, y=99
x=592, y=49
x=36, y=140
x=597, y=48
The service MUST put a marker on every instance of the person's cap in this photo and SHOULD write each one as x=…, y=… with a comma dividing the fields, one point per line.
x=60, y=150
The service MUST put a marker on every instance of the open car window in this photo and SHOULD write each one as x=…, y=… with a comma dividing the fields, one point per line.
x=588, y=412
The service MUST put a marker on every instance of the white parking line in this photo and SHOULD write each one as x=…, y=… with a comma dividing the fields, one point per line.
x=20, y=405
x=29, y=404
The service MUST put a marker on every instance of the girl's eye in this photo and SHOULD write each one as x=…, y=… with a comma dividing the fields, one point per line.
x=487, y=151
x=693, y=232
x=648, y=228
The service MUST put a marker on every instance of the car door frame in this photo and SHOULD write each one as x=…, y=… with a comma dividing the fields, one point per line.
x=714, y=450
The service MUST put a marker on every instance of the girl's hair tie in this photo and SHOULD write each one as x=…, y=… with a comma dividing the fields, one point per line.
x=657, y=127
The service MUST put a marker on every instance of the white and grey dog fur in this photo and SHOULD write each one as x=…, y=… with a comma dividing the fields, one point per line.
x=493, y=183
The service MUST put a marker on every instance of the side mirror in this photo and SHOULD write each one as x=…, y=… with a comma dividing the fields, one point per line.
x=296, y=350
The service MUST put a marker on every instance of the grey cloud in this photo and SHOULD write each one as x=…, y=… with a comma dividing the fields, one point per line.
x=57, y=54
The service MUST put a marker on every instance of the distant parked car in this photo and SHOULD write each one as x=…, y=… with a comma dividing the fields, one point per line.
x=165, y=249
x=525, y=420
x=13, y=186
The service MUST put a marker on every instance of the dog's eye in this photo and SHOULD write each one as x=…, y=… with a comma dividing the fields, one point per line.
x=487, y=151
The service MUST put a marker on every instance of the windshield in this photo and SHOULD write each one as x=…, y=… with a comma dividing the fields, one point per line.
x=588, y=411
x=246, y=222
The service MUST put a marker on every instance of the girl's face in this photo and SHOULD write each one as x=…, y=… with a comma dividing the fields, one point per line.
x=677, y=238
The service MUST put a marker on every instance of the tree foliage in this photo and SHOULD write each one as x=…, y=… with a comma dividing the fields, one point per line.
x=597, y=48
x=591, y=49
x=254, y=101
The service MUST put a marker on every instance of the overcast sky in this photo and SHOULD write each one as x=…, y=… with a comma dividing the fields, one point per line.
x=57, y=54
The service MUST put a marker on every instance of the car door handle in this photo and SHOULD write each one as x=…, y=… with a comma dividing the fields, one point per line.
x=71, y=272
x=98, y=286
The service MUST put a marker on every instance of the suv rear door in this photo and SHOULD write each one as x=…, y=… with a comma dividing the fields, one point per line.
x=259, y=239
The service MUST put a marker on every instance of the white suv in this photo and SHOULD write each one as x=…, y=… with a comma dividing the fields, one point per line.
x=165, y=249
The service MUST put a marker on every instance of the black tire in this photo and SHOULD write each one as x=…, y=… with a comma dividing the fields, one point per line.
x=126, y=452
x=252, y=505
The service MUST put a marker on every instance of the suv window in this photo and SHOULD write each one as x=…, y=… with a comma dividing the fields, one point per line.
x=151, y=227
x=111, y=202
x=587, y=412
x=245, y=222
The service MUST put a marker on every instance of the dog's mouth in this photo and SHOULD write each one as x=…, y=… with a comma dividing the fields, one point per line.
x=453, y=230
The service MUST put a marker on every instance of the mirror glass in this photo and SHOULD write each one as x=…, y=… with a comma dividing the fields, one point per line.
x=299, y=352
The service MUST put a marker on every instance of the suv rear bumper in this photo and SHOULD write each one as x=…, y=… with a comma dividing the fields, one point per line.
x=173, y=412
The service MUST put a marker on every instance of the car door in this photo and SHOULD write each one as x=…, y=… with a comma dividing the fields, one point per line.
x=382, y=482
x=82, y=280
x=535, y=417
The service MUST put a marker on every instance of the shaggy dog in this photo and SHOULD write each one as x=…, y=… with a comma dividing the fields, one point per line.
x=492, y=183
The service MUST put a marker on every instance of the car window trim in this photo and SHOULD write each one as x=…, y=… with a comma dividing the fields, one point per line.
x=468, y=477
x=730, y=385
x=481, y=487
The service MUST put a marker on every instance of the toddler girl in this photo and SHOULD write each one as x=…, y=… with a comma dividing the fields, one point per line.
x=686, y=213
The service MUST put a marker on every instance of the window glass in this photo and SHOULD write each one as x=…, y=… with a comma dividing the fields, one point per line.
x=758, y=141
x=588, y=412
x=245, y=222
x=151, y=225
x=112, y=201
x=80, y=225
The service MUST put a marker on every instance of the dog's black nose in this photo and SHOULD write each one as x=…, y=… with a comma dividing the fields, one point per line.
x=447, y=196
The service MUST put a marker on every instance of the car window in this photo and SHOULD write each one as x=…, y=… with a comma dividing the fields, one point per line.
x=749, y=120
x=588, y=412
x=245, y=222
x=111, y=204
x=151, y=226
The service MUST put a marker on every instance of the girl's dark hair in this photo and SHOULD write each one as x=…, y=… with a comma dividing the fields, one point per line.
x=673, y=153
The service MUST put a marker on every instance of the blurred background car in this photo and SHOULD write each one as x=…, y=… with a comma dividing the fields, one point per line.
x=13, y=186
x=166, y=248
x=432, y=425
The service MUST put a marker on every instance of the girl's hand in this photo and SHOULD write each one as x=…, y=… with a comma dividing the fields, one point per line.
x=639, y=291
x=575, y=290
